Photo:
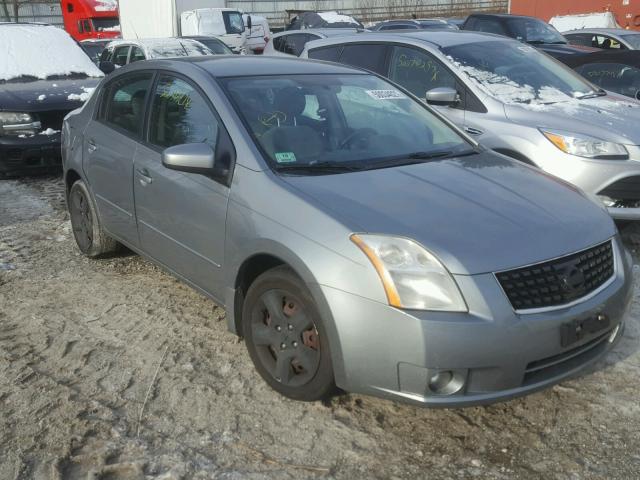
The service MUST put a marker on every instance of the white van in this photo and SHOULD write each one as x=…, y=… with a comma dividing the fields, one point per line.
x=225, y=23
x=258, y=33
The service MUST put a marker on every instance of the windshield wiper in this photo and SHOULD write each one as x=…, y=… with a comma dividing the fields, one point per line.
x=544, y=42
x=320, y=167
x=594, y=94
x=420, y=157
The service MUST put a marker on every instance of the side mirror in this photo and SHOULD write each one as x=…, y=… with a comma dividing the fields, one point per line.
x=107, y=67
x=442, y=96
x=249, y=23
x=190, y=158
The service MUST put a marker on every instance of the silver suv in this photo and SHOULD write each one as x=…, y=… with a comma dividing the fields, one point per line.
x=514, y=100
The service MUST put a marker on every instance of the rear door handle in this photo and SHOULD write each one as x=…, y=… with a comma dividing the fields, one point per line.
x=145, y=178
x=92, y=147
x=473, y=131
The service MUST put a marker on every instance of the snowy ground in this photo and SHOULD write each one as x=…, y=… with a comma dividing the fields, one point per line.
x=112, y=369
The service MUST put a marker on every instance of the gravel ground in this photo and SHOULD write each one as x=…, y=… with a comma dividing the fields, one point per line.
x=112, y=369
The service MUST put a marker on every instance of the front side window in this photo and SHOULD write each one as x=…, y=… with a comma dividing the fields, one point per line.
x=418, y=71
x=584, y=39
x=516, y=73
x=179, y=115
x=615, y=77
x=120, y=55
x=124, y=102
x=359, y=121
x=607, y=43
x=233, y=22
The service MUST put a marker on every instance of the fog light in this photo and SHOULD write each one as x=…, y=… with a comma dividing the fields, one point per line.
x=445, y=382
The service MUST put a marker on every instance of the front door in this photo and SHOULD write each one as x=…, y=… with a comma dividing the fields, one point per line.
x=110, y=143
x=181, y=216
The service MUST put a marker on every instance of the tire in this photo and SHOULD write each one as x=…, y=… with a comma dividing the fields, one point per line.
x=285, y=336
x=91, y=239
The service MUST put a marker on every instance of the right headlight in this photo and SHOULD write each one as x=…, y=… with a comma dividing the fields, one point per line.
x=412, y=277
x=16, y=123
x=586, y=146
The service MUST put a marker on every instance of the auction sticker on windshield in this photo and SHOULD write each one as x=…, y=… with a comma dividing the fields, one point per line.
x=285, y=157
x=386, y=94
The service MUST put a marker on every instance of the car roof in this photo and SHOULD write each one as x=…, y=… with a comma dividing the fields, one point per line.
x=325, y=32
x=438, y=38
x=501, y=15
x=613, y=31
x=220, y=66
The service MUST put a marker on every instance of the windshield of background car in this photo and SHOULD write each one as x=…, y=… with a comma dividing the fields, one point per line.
x=233, y=22
x=633, y=39
x=216, y=46
x=516, y=73
x=171, y=49
x=337, y=119
x=534, y=31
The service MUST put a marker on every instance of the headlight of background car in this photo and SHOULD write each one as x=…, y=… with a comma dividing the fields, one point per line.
x=14, y=123
x=412, y=277
x=586, y=146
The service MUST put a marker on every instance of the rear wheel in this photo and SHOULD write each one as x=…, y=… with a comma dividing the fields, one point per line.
x=91, y=239
x=286, y=338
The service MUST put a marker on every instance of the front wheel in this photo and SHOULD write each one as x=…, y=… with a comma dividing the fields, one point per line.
x=92, y=240
x=285, y=336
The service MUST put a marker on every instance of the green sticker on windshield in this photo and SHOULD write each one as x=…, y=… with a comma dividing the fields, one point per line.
x=285, y=157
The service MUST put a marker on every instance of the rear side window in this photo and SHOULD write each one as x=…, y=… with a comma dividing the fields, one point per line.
x=329, y=54
x=369, y=56
x=136, y=55
x=180, y=115
x=124, y=102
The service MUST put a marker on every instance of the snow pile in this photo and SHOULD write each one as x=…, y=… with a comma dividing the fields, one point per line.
x=49, y=131
x=41, y=52
x=106, y=5
x=41, y=98
x=84, y=96
x=335, y=17
x=565, y=23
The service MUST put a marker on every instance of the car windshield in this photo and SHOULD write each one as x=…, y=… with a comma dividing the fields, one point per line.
x=532, y=30
x=233, y=22
x=106, y=24
x=516, y=73
x=633, y=39
x=341, y=122
x=171, y=49
x=216, y=46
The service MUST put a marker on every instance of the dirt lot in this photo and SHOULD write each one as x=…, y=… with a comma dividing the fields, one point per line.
x=112, y=369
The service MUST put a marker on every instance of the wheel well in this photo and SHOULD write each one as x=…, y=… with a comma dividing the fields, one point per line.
x=71, y=178
x=515, y=155
x=251, y=269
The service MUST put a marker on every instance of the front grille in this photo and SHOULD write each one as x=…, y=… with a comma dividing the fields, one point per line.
x=559, y=281
x=624, y=189
x=52, y=119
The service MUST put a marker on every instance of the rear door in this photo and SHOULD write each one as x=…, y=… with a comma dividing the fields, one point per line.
x=181, y=216
x=110, y=143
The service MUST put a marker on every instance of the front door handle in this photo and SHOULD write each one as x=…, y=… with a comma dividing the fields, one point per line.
x=145, y=178
x=473, y=131
x=91, y=146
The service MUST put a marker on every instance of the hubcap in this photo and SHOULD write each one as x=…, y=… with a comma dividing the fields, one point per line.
x=286, y=338
x=81, y=220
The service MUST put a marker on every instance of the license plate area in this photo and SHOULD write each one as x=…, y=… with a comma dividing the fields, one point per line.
x=576, y=330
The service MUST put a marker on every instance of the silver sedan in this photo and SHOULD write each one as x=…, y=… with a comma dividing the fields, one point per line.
x=355, y=237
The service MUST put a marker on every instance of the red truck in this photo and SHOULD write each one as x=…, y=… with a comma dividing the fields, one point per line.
x=626, y=12
x=84, y=19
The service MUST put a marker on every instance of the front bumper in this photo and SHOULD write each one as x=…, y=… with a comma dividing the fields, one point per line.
x=382, y=351
x=27, y=155
x=598, y=177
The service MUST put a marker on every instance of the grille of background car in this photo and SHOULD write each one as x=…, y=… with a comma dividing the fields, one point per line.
x=559, y=281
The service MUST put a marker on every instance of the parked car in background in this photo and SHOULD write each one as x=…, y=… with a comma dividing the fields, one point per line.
x=456, y=22
x=409, y=262
x=94, y=48
x=306, y=19
x=46, y=76
x=530, y=30
x=123, y=52
x=225, y=23
x=292, y=42
x=217, y=46
x=615, y=71
x=258, y=33
x=514, y=100
x=417, y=24
x=605, y=38
x=85, y=19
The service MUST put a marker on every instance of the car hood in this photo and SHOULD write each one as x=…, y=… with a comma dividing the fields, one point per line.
x=613, y=118
x=44, y=95
x=482, y=213
x=559, y=50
